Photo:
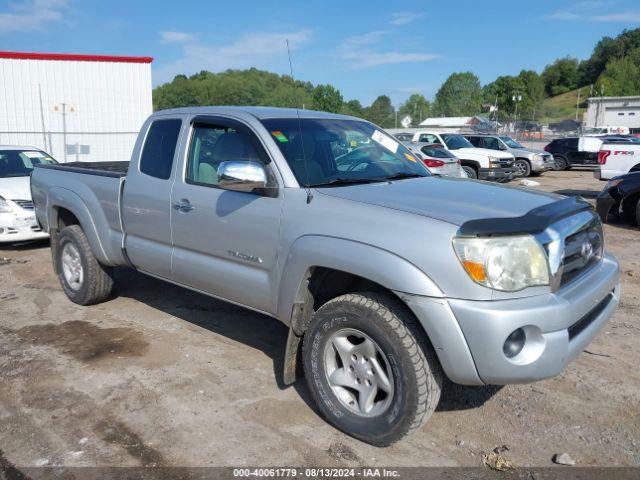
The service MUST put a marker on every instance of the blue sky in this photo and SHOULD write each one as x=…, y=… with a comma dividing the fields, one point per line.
x=365, y=48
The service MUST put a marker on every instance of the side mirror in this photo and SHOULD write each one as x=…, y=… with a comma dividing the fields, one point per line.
x=501, y=146
x=241, y=176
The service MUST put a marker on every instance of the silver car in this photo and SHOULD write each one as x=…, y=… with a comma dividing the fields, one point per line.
x=527, y=160
x=437, y=159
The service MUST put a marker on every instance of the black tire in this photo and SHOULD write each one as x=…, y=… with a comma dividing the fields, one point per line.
x=471, y=172
x=523, y=168
x=628, y=210
x=638, y=213
x=560, y=163
x=97, y=281
x=417, y=375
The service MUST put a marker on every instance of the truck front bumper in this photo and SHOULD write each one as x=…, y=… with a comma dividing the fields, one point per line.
x=498, y=174
x=469, y=336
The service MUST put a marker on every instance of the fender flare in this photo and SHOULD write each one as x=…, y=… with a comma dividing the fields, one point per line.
x=59, y=197
x=367, y=261
x=472, y=163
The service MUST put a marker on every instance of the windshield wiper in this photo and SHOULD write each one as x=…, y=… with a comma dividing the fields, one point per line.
x=403, y=175
x=347, y=181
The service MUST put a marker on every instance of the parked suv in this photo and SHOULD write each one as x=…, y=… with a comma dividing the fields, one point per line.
x=477, y=162
x=527, y=160
x=569, y=152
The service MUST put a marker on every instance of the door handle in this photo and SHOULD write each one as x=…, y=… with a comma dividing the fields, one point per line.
x=183, y=206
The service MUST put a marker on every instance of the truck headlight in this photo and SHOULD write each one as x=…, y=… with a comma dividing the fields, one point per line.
x=503, y=263
x=4, y=206
x=494, y=162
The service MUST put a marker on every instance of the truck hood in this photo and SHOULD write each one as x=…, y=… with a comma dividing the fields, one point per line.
x=480, y=153
x=445, y=198
x=527, y=151
x=15, y=188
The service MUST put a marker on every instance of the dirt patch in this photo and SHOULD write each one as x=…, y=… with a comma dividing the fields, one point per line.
x=117, y=433
x=85, y=341
x=340, y=451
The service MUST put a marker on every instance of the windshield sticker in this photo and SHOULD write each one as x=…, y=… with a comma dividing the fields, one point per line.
x=387, y=142
x=279, y=136
x=411, y=158
x=34, y=154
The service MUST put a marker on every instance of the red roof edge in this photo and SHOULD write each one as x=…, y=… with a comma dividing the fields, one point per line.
x=74, y=57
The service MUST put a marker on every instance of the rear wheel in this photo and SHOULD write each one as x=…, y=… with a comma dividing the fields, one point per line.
x=470, y=171
x=523, y=169
x=83, y=278
x=370, y=369
x=560, y=163
x=638, y=213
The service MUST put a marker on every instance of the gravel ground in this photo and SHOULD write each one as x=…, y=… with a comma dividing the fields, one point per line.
x=163, y=376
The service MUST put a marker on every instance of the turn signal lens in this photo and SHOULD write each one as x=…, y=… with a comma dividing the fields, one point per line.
x=475, y=271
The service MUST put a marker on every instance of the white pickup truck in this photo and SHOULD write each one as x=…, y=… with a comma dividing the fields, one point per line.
x=480, y=163
x=617, y=158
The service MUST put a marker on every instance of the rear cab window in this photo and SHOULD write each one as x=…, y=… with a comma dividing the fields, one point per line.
x=160, y=147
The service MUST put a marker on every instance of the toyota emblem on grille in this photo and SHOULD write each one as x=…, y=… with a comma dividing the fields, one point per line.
x=586, y=251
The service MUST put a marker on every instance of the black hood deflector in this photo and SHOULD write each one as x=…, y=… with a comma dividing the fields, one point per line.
x=533, y=222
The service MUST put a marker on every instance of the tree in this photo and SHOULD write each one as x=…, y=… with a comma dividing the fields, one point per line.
x=353, y=108
x=606, y=50
x=327, y=99
x=504, y=89
x=561, y=76
x=621, y=77
x=381, y=112
x=417, y=107
x=459, y=95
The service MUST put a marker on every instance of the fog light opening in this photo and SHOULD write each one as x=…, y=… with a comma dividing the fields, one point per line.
x=514, y=343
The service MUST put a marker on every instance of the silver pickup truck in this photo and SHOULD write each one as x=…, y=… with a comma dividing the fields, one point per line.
x=388, y=278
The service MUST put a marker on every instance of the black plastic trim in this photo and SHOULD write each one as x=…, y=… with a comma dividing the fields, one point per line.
x=103, y=169
x=534, y=221
x=578, y=327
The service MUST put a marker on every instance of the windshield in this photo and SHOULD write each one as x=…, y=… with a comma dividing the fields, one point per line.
x=511, y=143
x=19, y=163
x=455, y=141
x=323, y=152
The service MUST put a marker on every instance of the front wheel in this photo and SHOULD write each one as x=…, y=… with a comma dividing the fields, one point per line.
x=370, y=369
x=523, y=169
x=83, y=278
x=470, y=171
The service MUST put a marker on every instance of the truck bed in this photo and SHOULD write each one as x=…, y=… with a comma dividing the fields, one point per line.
x=105, y=169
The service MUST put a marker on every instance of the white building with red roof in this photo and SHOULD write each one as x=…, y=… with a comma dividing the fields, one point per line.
x=75, y=107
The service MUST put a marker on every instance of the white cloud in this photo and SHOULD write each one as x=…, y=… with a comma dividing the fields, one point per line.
x=171, y=36
x=594, y=11
x=628, y=17
x=404, y=18
x=368, y=59
x=32, y=15
x=359, y=53
x=260, y=50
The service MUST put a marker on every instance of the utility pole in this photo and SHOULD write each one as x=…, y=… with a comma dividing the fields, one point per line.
x=516, y=98
x=64, y=130
x=578, y=103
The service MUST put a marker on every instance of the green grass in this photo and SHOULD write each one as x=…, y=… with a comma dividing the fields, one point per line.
x=562, y=107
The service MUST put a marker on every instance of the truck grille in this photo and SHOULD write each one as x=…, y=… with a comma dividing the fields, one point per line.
x=25, y=204
x=582, y=250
